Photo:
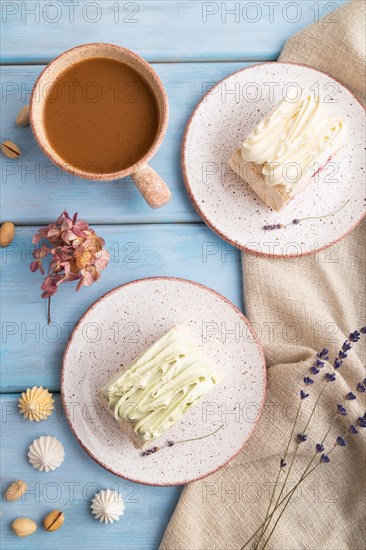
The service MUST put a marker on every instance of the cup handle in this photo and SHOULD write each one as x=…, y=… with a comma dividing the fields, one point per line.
x=151, y=186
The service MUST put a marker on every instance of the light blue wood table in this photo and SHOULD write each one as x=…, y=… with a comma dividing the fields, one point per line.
x=191, y=44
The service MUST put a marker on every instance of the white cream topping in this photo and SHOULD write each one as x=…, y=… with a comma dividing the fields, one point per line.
x=160, y=386
x=289, y=141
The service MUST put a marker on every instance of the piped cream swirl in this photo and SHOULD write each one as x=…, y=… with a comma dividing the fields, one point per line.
x=292, y=138
x=158, y=388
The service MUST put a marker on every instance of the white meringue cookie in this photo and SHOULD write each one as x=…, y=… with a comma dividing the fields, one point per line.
x=46, y=453
x=107, y=506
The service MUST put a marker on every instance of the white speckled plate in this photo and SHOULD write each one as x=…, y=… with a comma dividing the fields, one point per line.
x=223, y=119
x=117, y=329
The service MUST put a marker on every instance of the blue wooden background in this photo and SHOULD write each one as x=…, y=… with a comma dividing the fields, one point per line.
x=192, y=44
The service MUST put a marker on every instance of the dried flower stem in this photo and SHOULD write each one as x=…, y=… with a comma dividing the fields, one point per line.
x=279, y=471
x=265, y=527
x=299, y=220
x=288, y=495
x=198, y=438
x=284, y=508
x=301, y=480
x=294, y=455
x=49, y=310
x=321, y=217
x=153, y=450
x=303, y=431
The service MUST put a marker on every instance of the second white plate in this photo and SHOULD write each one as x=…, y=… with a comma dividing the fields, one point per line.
x=222, y=120
x=116, y=330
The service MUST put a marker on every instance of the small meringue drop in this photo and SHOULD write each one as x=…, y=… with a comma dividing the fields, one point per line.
x=46, y=453
x=107, y=506
x=36, y=404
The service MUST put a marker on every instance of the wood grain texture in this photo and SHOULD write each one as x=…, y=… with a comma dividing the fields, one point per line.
x=33, y=190
x=32, y=350
x=182, y=30
x=70, y=488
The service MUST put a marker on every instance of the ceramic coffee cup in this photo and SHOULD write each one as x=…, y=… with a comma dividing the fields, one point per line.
x=149, y=183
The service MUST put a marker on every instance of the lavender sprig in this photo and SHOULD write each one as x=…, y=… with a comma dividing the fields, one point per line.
x=322, y=356
x=296, y=221
x=170, y=443
x=302, y=437
x=319, y=448
x=324, y=459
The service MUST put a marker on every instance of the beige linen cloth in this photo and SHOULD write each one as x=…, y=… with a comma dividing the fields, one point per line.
x=298, y=306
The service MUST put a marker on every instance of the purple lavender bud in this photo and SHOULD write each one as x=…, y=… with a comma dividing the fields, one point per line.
x=340, y=441
x=346, y=346
x=314, y=370
x=364, y=381
x=273, y=226
x=353, y=429
x=330, y=376
x=149, y=451
x=337, y=363
x=319, y=363
x=354, y=336
x=342, y=410
x=283, y=464
x=361, y=388
x=324, y=459
x=303, y=395
x=301, y=438
x=363, y=330
x=308, y=381
x=342, y=355
x=319, y=447
x=170, y=443
x=296, y=221
x=361, y=421
x=323, y=354
x=351, y=396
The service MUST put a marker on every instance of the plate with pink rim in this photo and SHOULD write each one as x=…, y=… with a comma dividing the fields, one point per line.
x=116, y=330
x=328, y=209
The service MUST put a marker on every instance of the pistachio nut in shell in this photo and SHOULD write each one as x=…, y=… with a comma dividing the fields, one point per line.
x=7, y=231
x=54, y=520
x=23, y=527
x=10, y=150
x=15, y=490
x=22, y=118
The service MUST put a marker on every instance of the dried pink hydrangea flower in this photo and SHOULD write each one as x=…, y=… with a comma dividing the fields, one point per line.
x=76, y=251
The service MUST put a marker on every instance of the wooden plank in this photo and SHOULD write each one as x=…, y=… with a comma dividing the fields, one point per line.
x=70, y=489
x=182, y=30
x=32, y=350
x=33, y=190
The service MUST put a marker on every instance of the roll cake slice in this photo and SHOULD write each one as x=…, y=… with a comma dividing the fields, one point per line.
x=149, y=396
x=285, y=151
